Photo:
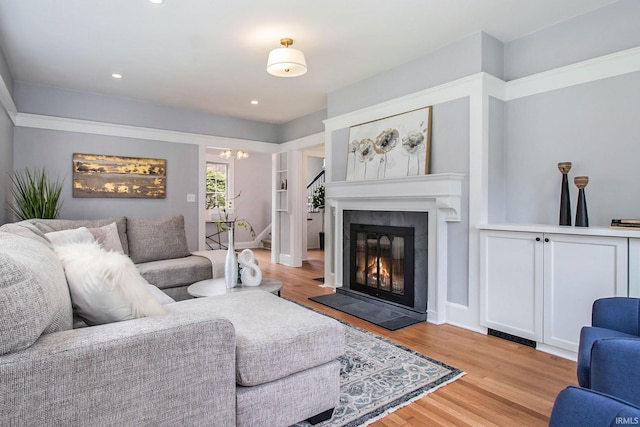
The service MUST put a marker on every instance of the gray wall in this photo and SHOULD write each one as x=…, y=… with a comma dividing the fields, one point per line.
x=53, y=150
x=452, y=62
x=6, y=163
x=595, y=126
x=496, y=174
x=303, y=126
x=5, y=72
x=37, y=99
x=592, y=125
x=603, y=31
x=450, y=153
x=6, y=144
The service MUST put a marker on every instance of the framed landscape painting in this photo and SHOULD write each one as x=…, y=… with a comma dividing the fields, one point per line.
x=392, y=147
x=99, y=175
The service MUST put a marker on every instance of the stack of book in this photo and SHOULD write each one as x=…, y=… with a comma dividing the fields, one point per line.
x=625, y=223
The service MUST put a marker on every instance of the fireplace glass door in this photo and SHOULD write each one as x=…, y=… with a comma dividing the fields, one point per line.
x=382, y=261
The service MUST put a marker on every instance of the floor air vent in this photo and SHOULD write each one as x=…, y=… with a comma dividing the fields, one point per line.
x=509, y=337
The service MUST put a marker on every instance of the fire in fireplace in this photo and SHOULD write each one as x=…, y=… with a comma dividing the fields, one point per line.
x=382, y=262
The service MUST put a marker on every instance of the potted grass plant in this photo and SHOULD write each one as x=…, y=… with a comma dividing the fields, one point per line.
x=34, y=195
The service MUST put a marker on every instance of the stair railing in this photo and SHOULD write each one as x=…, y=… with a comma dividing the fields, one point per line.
x=316, y=182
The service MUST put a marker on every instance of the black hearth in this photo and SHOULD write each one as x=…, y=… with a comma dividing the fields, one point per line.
x=382, y=262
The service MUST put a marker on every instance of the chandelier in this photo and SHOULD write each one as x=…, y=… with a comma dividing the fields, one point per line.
x=240, y=154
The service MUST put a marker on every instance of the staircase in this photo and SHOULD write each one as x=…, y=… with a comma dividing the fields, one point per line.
x=312, y=186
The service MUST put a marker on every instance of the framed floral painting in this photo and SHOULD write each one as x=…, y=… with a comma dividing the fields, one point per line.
x=392, y=147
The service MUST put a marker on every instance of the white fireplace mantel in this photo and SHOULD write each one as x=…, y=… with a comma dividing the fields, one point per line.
x=438, y=194
x=445, y=190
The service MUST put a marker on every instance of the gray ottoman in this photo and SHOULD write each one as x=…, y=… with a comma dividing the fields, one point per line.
x=286, y=357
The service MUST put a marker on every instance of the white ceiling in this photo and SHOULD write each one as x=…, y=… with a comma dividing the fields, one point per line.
x=210, y=55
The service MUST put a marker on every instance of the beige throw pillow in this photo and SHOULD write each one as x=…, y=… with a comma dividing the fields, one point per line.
x=108, y=237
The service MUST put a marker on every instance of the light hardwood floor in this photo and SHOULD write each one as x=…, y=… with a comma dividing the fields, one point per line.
x=506, y=384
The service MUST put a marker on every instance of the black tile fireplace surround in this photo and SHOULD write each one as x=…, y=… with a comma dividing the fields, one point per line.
x=385, y=283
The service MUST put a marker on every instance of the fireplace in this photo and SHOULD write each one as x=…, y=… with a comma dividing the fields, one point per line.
x=382, y=262
x=437, y=196
x=385, y=259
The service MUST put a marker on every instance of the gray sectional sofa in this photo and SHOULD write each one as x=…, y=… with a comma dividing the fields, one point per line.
x=158, y=247
x=245, y=359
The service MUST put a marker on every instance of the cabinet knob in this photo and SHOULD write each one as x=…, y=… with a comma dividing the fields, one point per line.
x=537, y=239
x=546, y=240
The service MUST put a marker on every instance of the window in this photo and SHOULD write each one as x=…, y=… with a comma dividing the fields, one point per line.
x=217, y=196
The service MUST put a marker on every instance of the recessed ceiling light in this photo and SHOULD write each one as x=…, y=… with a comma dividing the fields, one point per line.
x=157, y=1
x=116, y=75
x=254, y=102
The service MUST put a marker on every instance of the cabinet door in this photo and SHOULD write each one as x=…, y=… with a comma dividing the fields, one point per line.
x=511, y=283
x=578, y=270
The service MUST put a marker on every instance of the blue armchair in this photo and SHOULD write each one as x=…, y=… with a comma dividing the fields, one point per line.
x=610, y=318
x=576, y=406
x=608, y=369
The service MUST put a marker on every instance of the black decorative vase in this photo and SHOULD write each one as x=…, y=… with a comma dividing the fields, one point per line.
x=565, y=200
x=582, y=218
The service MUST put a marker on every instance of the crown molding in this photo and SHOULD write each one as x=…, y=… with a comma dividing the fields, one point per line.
x=37, y=121
x=602, y=67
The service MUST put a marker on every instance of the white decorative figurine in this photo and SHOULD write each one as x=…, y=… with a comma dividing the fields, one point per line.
x=251, y=274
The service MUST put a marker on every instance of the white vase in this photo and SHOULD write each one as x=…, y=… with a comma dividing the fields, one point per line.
x=230, y=263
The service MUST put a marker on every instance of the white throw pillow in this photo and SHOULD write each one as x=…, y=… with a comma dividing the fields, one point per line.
x=75, y=235
x=105, y=286
x=108, y=237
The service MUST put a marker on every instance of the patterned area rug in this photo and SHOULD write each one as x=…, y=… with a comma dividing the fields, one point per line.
x=378, y=376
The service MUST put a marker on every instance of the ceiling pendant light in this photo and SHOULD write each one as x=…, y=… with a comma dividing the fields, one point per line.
x=285, y=61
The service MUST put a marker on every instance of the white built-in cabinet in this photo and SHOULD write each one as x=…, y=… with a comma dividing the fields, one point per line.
x=541, y=285
x=281, y=183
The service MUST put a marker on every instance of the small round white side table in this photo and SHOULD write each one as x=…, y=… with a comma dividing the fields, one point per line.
x=213, y=287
